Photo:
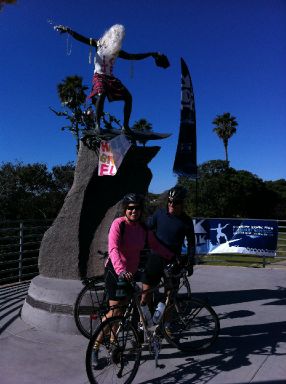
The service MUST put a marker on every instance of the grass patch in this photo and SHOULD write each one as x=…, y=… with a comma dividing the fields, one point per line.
x=237, y=260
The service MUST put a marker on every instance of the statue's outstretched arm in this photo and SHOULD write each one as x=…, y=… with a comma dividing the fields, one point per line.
x=136, y=56
x=75, y=35
x=160, y=59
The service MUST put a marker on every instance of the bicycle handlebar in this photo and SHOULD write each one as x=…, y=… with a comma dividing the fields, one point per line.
x=170, y=270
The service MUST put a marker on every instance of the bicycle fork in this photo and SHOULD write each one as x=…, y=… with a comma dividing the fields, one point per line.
x=154, y=342
x=116, y=351
x=156, y=347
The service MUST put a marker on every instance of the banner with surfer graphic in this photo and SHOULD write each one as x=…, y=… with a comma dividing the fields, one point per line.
x=241, y=236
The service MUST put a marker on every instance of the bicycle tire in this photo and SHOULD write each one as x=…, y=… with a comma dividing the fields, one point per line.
x=191, y=325
x=89, y=308
x=119, y=360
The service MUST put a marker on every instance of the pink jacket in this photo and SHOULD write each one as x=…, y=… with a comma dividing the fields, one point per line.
x=125, y=254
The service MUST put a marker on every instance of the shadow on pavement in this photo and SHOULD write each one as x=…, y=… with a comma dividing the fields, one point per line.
x=11, y=302
x=236, y=344
x=232, y=350
x=243, y=296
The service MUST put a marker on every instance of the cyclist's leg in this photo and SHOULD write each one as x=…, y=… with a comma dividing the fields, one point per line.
x=115, y=305
x=111, y=281
x=151, y=276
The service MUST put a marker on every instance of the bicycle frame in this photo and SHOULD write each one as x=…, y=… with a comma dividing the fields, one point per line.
x=153, y=337
x=188, y=324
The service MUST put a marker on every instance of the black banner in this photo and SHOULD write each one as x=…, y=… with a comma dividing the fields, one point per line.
x=185, y=163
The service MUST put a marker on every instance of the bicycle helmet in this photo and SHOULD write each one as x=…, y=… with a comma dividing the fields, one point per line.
x=132, y=198
x=178, y=193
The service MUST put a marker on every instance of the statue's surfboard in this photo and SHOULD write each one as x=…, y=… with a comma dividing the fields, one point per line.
x=108, y=134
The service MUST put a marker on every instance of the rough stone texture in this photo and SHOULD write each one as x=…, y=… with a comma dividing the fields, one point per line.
x=71, y=248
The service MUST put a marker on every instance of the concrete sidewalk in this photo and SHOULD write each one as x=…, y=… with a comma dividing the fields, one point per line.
x=251, y=347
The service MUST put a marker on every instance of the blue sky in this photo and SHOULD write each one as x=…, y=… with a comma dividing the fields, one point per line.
x=235, y=50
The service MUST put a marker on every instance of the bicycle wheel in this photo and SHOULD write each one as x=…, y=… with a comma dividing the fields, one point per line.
x=118, y=356
x=90, y=307
x=190, y=325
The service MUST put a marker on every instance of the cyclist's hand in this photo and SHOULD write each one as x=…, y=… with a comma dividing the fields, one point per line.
x=128, y=276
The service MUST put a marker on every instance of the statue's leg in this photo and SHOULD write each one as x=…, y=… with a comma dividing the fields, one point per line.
x=127, y=112
x=99, y=110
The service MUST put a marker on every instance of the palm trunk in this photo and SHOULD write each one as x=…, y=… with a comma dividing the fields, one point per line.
x=77, y=138
x=226, y=150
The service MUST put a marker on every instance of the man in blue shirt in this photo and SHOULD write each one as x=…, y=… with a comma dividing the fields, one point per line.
x=171, y=226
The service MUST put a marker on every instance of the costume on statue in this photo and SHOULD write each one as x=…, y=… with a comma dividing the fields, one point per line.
x=104, y=84
x=103, y=81
x=109, y=85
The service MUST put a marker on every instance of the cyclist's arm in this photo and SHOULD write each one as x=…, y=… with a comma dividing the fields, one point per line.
x=114, y=239
x=158, y=247
x=191, y=248
x=191, y=239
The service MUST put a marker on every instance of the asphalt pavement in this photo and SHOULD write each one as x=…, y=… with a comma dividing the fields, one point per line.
x=251, y=348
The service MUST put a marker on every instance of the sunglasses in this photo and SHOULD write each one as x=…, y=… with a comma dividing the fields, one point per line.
x=133, y=207
x=174, y=202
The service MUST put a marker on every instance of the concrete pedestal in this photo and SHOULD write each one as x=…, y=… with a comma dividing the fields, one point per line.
x=50, y=304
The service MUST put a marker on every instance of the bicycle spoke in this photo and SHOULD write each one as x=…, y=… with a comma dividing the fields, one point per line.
x=191, y=325
x=89, y=309
x=118, y=354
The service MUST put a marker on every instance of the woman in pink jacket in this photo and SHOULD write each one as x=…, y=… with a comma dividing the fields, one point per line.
x=127, y=238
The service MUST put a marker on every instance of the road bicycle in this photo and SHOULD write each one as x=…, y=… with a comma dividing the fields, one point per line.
x=189, y=324
x=92, y=302
x=90, y=306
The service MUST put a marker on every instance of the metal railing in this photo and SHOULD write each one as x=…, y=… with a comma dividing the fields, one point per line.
x=19, y=249
x=20, y=243
x=281, y=243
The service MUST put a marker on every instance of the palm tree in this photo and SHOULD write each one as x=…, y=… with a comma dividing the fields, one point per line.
x=71, y=92
x=225, y=128
x=142, y=125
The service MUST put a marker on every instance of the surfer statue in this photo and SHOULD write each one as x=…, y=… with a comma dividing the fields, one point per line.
x=104, y=84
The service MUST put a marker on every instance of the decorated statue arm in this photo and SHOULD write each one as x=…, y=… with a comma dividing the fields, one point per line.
x=160, y=59
x=75, y=35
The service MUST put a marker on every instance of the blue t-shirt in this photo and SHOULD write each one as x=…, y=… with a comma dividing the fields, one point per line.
x=171, y=230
